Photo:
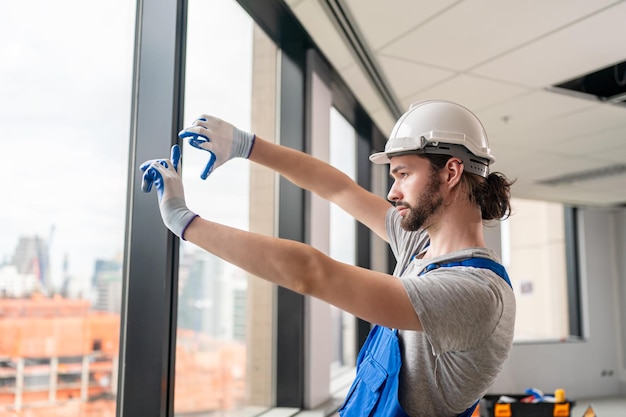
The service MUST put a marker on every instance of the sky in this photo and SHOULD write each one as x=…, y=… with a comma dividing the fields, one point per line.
x=65, y=101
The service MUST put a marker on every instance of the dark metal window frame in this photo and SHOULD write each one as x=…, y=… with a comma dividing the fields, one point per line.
x=572, y=260
x=149, y=306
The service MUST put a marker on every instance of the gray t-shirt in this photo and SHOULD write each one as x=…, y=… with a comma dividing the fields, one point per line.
x=468, y=316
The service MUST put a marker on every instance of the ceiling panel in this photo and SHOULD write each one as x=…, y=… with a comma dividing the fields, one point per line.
x=518, y=122
x=407, y=77
x=535, y=165
x=474, y=92
x=608, y=145
x=616, y=155
x=586, y=192
x=475, y=31
x=585, y=123
x=382, y=21
x=587, y=45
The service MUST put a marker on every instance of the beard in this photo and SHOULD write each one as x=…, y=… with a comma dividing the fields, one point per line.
x=426, y=206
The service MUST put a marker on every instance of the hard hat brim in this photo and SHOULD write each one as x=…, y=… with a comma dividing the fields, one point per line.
x=379, y=158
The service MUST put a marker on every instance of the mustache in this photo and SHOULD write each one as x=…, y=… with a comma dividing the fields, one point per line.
x=401, y=203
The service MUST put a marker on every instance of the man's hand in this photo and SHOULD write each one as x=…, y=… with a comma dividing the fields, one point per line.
x=221, y=139
x=152, y=175
x=164, y=175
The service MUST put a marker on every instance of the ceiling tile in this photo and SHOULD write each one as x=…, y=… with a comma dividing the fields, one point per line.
x=407, y=77
x=616, y=155
x=582, y=126
x=475, y=31
x=537, y=164
x=380, y=25
x=602, y=191
x=587, y=45
x=472, y=92
x=519, y=117
x=607, y=144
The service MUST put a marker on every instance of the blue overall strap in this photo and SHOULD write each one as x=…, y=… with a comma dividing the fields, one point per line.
x=374, y=391
x=474, y=263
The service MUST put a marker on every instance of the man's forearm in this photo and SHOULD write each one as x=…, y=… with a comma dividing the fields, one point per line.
x=303, y=170
x=324, y=180
x=284, y=262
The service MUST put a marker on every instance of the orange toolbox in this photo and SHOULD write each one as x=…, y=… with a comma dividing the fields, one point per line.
x=491, y=407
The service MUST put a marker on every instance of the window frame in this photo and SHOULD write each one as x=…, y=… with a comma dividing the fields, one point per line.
x=573, y=280
x=150, y=272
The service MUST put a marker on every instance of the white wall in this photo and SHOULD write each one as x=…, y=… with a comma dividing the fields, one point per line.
x=578, y=366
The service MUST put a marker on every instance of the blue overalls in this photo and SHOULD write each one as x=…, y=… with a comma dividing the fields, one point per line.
x=374, y=392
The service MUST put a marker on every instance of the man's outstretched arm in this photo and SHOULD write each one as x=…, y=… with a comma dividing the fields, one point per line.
x=370, y=295
x=225, y=141
x=373, y=296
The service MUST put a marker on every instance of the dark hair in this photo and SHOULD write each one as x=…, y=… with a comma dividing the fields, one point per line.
x=492, y=194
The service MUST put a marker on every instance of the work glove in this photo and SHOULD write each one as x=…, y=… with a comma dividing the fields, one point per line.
x=222, y=140
x=163, y=174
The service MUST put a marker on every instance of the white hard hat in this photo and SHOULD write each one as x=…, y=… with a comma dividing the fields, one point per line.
x=440, y=127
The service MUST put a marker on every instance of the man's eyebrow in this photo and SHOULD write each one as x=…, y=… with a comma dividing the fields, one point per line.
x=398, y=168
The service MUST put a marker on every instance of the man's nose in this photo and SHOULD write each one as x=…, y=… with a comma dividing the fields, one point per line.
x=393, y=194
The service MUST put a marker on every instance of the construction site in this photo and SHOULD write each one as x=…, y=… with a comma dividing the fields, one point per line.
x=60, y=358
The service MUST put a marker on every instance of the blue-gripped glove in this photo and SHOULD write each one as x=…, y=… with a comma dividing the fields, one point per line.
x=221, y=139
x=164, y=175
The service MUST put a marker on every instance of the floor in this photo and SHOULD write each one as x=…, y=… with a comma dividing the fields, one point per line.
x=604, y=407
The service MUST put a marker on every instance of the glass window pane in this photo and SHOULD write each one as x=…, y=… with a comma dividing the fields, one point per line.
x=65, y=106
x=537, y=264
x=342, y=239
x=214, y=306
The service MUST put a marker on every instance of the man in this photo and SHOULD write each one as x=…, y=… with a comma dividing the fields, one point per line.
x=452, y=308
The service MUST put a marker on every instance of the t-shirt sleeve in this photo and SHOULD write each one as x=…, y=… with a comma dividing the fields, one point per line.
x=458, y=307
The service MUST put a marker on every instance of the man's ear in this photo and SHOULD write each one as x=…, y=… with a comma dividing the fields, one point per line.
x=454, y=170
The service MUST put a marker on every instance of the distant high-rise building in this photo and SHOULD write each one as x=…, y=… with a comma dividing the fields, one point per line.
x=201, y=295
x=212, y=297
x=32, y=258
x=107, y=283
